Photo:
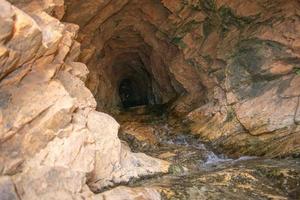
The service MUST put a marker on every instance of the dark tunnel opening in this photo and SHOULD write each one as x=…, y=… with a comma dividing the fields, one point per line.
x=128, y=72
x=132, y=94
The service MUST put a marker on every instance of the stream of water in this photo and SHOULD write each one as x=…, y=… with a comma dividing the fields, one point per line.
x=199, y=173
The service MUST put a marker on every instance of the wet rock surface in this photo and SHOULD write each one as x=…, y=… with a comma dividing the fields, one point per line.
x=196, y=172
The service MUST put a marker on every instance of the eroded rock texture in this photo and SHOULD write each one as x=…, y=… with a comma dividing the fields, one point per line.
x=234, y=64
x=51, y=138
x=229, y=67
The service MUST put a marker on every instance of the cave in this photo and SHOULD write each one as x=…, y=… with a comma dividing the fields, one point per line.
x=132, y=94
x=149, y=99
x=125, y=54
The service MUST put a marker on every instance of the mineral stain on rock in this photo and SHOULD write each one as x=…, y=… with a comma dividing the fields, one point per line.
x=4, y=99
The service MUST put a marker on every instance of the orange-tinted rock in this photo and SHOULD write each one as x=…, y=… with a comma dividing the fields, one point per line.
x=232, y=65
x=280, y=68
x=266, y=113
x=293, y=89
x=49, y=129
x=140, y=132
x=173, y=5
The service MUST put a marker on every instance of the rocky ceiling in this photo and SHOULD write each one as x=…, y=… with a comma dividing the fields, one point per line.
x=131, y=39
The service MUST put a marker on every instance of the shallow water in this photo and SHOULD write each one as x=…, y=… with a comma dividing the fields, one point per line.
x=199, y=173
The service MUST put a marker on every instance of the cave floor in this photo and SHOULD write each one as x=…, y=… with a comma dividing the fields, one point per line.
x=197, y=172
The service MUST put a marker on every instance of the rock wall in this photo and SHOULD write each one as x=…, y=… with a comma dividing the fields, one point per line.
x=52, y=141
x=250, y=53
x=232, y=65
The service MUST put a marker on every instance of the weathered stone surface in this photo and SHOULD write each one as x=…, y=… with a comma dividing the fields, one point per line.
x=275, y=113
x=7, y=189
x=121, y=164
x=51, y=137
x=51, y=183
x=126, y=193
x=143, y=133
x=259, y=78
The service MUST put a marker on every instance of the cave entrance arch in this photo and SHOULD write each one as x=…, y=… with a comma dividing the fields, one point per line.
x=132, y=93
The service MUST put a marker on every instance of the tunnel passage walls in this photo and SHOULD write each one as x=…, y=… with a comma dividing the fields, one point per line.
x=232, y=65
x=125, y=35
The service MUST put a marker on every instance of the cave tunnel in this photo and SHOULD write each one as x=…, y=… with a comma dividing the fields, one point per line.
x=131, y=94
x=128, y=73
x=132, y=83
x=129, y=63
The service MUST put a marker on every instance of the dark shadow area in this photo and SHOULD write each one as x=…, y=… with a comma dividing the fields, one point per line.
x=132, y=94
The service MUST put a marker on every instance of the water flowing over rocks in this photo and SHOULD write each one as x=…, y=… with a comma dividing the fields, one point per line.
x=182, y=77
